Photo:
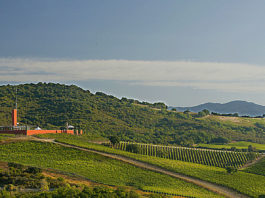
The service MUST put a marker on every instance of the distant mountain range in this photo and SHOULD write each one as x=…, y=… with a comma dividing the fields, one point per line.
x=240, y=107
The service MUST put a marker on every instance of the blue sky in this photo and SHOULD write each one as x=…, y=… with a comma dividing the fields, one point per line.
x=179, y=52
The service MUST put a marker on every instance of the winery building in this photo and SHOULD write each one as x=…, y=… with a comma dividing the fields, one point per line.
x=24, y=130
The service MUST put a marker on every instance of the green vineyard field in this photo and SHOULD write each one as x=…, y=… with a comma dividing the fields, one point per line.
x=258, y=168
x=247, y=183
x=97, y=168
x=200, y=156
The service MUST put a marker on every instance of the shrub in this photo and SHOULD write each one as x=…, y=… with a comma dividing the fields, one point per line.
x=220, y=140
x=134, y=148
x=33, y=170
x=231, y=169
x=114, y=140
x=10, y=187
x=15, y=165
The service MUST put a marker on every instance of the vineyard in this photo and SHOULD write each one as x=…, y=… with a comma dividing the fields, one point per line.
x=257, y=168
x=97, y=168
x=200, y=156
x=250, y=184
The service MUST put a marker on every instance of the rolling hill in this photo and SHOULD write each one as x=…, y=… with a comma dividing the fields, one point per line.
x=50, y=106
x=238, y=106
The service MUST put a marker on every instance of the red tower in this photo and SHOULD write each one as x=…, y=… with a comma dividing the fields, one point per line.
x=14, y=117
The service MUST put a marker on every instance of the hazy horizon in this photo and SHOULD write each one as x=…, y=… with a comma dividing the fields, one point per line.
x=183, y=53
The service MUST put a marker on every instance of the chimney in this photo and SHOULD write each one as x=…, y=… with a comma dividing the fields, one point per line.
x=14, y=113
x=14, y=117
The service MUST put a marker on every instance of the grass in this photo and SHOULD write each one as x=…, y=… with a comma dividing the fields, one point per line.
x=246, y=183
x=236, y=121
x=6, y=136
x=88, y=137
x=258, y=168
x=96, y=168
x=239, y=145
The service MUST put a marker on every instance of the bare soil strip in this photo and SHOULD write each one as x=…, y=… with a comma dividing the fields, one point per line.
x=227, y=192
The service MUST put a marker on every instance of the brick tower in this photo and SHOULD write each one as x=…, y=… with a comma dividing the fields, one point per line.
x=14, y=117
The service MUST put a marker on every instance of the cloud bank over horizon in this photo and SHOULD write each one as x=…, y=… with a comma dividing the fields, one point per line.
x=227, y=77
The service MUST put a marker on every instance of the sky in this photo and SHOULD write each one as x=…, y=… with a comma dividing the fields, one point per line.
x=181, y=52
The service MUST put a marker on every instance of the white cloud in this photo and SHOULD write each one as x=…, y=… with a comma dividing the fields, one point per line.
x=233, y=77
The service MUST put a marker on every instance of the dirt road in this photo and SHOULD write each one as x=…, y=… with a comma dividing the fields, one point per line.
x=207, y=185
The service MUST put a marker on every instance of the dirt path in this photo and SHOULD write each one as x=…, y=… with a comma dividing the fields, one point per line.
x=207, y=185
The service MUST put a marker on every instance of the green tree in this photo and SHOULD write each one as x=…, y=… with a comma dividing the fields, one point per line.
x=250, y=148
x=233, y=148
x=187, y=111
x=201, y=114
x=159, y=105
x=33, y=170
x=44, y=185
x=220, y=140
x=231, y=169
x=132, y=194
x=206, y=111
x=134, y=148
x=114, y=140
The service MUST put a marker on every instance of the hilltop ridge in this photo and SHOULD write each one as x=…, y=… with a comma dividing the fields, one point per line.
x=51, y=105
x=243, y=108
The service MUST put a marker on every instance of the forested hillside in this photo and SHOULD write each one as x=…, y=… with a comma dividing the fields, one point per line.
x=52, y=105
